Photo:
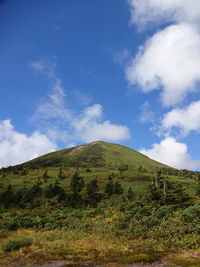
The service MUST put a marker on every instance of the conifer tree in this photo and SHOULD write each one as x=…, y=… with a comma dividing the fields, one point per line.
x=56, y=188
x=175, y=194
x=61, y=195
x=118, y=188
x=92, y=194
x=18, y=197
x=61, y=174
x=7, y=197
x=109, y=189
x=198, y=186
x=24, y=172
x=167, y=192
x=45, y=175
x=49, y=191
x=131, y=194
x=77, y=183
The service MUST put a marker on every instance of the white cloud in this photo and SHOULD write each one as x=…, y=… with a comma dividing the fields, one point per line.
x=186, y=119
x=172, y=153
x=146, y=12
x=106, y=131
x=65, y=124
x=56, y=134
x=45, y=66
x=169, y=61
x=54, y=105
x=90, y=126
x=147, y=115
x=17, y=147
x=83, y=99
x=121, y=57
x=89, y=117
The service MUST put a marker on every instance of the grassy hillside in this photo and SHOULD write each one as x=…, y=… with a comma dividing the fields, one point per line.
x=97, y=154
x=98, y=203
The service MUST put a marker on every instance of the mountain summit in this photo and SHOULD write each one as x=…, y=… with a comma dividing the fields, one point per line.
x=96, y=154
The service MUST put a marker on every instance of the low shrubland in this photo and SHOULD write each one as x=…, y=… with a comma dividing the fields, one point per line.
x=103, y=219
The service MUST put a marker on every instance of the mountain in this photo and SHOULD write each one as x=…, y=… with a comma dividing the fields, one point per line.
x=50, y=209
x=96, y=154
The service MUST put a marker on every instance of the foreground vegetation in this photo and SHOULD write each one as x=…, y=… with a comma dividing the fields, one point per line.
x=99, y=214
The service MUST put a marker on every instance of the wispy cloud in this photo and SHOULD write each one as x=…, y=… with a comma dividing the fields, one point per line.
x=58, y=22
x=62, y=123
x=90, y=73
x=121, y=57
x=146, y=115
x=83, y=99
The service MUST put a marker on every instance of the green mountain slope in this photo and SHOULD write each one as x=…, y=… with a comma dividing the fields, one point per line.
x=54, y=208
x=96, y=154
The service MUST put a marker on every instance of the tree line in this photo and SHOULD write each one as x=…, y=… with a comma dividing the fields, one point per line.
x=81, y=194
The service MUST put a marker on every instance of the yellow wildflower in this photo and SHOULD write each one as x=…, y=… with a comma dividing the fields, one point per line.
x=96, y=218
x=111, y=219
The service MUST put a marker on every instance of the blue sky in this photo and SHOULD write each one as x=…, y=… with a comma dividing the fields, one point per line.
x=120, y=71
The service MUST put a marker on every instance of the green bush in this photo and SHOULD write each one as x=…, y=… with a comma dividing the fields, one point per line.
x=191, y=214
x=4, y=233
x=17, y=243
x=163, y=211
x=22, y=220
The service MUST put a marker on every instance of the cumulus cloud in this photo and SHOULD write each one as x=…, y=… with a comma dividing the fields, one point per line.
x=172, y=153
x=186, y=119
x=106, y=131
x=16, y=147
x=90, y=126
x=146, y=12
x=62, y=123
x=169, y=61
x=87, y=118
